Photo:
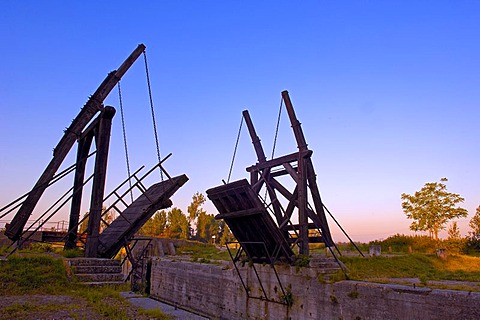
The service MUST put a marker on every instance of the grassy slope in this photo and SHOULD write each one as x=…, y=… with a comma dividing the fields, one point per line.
x=422, y=266
x=44, y=274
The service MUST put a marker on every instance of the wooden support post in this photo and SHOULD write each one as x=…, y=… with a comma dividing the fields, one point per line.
x=302, y=208
x=265, y=172
x=317, y=202
x=82, y=153
x=296, y=125
x=93, y=105
x=255, y=139
x=98, y=187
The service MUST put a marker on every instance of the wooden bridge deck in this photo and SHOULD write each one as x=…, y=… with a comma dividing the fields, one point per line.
x=137, y=214
x=250, y=223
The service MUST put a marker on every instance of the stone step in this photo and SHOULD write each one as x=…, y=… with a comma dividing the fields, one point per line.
x=93, y=262
x=328, y=270
x=104, y=283
x=96, y=269
x=99, y=277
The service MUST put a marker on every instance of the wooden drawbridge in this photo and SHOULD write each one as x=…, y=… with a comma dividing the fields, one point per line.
x=155, y=198
x=92, y=126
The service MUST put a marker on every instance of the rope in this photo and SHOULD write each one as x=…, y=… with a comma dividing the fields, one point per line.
x=153, y=113
x=125, y=139
x=235, y=150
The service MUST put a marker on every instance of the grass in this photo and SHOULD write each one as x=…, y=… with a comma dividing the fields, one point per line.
x=422, y=266
x=204, y=253
x=33, y=274
x=44, y=274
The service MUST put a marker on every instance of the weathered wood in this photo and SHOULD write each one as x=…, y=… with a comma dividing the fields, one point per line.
x=262, y=159
x=249, y=222
x=143, y=208
x=317, y=202
x=255, y=139
x=99, y=179
x=279, y=161
x=296, y=125
x=83, y=148
x=93, y=105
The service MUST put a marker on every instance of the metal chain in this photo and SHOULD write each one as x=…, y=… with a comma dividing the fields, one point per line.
x=155, y=132
x=235, y=150
x=125, y=138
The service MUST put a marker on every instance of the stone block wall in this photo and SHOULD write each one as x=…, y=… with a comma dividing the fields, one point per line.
x=217, y=292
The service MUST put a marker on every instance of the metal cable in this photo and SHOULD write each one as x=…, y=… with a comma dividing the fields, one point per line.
x=125, y=138
x=276, y=130
x=235, y=150
x=153, y=112
x=276, y=135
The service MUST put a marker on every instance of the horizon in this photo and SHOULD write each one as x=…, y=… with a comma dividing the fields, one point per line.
x=387, y=95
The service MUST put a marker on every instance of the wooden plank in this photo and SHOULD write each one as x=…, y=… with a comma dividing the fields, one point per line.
x=249, y=221
x=143, y=208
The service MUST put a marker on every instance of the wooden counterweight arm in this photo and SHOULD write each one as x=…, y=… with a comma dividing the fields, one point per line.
x=255, y=139
x=296, y=125
x=86, y=114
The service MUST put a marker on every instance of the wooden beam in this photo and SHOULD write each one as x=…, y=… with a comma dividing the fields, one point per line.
x=280, y=161
x=296, y=125
x=93, y=105
x=98, y=187
x=82, y=153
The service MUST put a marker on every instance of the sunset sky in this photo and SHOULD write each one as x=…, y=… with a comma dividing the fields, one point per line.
x=388, y=94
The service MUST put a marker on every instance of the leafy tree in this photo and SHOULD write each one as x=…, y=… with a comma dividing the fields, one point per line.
x=475, y=223
x=177, y=224
x=195, y=209
x=454, y=231
x=155, y=226
x=432, y=207
x=225, y=235
x=207, y=227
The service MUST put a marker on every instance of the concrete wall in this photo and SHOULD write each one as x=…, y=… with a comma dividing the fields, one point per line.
x=217, y=292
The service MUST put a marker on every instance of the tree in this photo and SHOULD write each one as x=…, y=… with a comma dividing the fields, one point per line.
x=226, y=235
x=177, y=224
x=194, y=210
x=454, y=231
x=107, y=219
x=432, y=207
x=207, y=227
x=475, y=224
x=84, y=224
x=155, y=226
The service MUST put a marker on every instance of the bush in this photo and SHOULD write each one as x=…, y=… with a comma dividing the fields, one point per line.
x=472, y=245
x=401, y=243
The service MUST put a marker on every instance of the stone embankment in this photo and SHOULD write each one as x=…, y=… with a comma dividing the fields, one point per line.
x=298, y=293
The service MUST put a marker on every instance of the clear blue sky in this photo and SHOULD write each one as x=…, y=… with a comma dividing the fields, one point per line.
x=387, y=93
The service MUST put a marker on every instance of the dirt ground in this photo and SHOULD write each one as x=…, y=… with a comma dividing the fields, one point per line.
x=57, y=307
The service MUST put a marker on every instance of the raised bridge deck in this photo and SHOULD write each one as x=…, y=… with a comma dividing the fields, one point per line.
x=249, y=221
x=134, y=216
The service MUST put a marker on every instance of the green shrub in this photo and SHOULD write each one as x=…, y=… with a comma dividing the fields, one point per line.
x=400, y=243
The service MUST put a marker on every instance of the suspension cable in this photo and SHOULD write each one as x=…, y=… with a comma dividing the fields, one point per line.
x=235, y=150
x=155, y=132
x=276, y=129
x=125, y=139
x=276, y=135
